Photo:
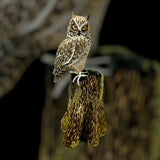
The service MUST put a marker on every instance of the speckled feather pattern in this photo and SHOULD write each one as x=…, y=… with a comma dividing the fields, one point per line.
x=73, y=51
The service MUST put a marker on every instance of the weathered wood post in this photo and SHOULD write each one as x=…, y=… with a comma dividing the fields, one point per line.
x=85, y=119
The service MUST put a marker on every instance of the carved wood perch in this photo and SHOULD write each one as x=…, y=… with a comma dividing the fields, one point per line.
x=85, y=118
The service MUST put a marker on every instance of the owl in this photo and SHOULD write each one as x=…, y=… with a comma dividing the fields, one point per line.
x=74, y=49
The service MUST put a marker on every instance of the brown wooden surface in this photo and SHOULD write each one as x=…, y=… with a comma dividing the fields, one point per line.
x=84, y=119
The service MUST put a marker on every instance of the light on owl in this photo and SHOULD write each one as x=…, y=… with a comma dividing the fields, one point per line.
x=74, y=49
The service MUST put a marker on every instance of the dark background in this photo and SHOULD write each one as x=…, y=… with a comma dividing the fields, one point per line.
x=130, y=23
x=127, y=23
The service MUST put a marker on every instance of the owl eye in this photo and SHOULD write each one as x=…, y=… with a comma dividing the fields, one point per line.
x=74, y=27
x=85, y=28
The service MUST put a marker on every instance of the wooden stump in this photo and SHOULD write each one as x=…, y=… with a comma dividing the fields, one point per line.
x=85, y=118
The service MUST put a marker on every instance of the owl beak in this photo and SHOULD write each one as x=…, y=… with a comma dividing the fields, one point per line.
x=79, y=32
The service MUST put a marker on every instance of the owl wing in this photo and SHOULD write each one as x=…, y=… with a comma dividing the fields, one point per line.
x=64, y=53
x=68, y=53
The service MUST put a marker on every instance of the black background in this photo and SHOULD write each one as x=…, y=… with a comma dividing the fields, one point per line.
x=131, y=23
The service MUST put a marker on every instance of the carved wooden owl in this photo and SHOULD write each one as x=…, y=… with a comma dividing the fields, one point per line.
x=74, y=49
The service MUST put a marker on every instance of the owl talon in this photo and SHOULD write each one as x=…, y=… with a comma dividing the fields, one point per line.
x=80, y=74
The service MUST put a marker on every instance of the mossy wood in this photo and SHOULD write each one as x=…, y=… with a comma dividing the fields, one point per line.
x=85, y=118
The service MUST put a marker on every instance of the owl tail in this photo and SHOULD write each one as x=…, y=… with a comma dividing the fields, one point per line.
x=59, y=73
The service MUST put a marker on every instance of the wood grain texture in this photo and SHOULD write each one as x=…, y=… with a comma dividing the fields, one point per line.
x=84, y=119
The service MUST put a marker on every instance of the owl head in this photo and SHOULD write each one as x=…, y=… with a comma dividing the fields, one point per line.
x=78, y=25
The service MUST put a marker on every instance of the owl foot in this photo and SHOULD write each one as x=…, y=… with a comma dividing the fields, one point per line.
x=80, y=74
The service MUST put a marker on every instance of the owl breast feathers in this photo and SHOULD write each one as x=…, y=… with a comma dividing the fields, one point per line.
x=73, y=50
